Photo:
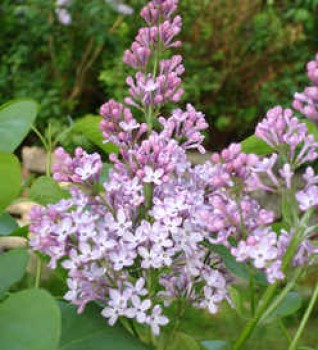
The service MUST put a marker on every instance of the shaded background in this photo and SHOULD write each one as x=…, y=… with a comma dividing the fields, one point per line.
x=241, y=58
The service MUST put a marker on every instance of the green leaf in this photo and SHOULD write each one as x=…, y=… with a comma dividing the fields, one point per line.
x=183, y=341
x=22, y=231
x=16, y=119
x=256, y=146
x=290, y=304
x=12, y=268
x=46, y=191
x=7, y=224
x=239, y=269
x=30, y=320
x=305, y=348
x=89, y=127
x=278, y=226
x=215, y=345
x=10, y=179
x=91, y=331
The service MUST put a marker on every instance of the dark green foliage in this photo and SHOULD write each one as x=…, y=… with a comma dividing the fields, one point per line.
x=57, y=64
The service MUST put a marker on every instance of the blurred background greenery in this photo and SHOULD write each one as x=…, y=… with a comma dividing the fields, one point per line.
x=241, y=57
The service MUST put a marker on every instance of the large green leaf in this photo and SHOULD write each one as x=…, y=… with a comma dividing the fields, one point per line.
x=16, y=119
x=90, y=331
x=215, y=345
x=290, y=304
x=10, y=179
x=30, y=320
x=256, y=146
x=182, y=341
x=7, y=224
x=89, y=127
x=12, y=268
x=46, y=191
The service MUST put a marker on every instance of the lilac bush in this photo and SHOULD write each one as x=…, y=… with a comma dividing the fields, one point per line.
x=149, y=236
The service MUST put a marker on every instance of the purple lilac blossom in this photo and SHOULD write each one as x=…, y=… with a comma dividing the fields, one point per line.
x=158, y=215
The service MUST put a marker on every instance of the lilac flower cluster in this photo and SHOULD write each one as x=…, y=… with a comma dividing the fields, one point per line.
x=83, y=168
x=307, y=101
x=162, y=84
x=150, y=237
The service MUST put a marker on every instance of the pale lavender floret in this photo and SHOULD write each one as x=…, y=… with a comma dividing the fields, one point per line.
x=287, y=174
x=153, y=176
x=308, y=198
x=156, y=319
x=310, y=177
x=117, y=306
x=140, y=308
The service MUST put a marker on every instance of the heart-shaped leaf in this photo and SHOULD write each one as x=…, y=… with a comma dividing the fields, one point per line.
x=89, y=127
x=10, y=179
x=12, y=268
x=30, y=320
x=46, y=191
x=256, y=146
x=16, y=119
x=290, y=304
x=7, y=224
x=91, y=331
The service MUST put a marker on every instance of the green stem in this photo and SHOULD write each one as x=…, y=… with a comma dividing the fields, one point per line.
x=252, y=290
x=180, y=313
x=38, y=272
x=282, y=295
x=49, y=153
x=148, y=192
x=304, y=320
x=48, y=164
x=268, y=296
x=285, y=331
